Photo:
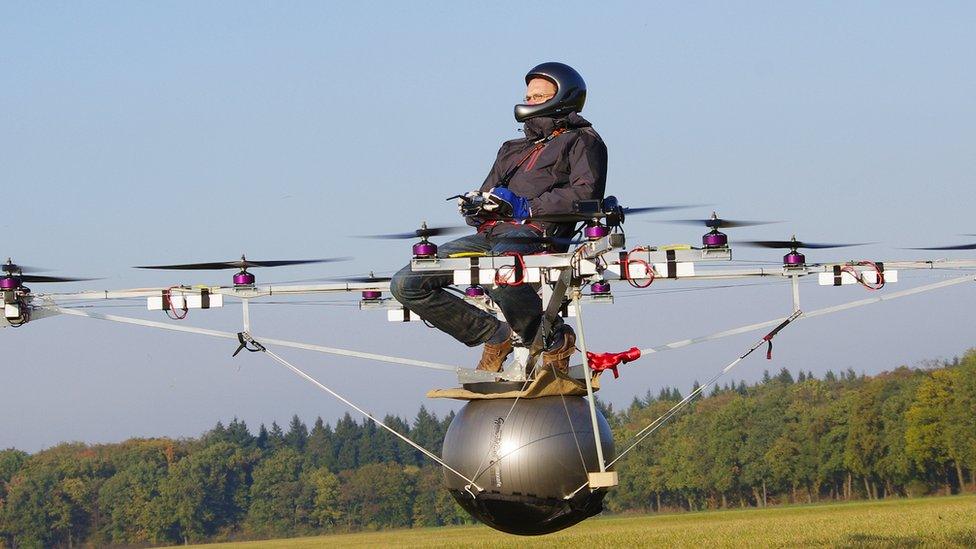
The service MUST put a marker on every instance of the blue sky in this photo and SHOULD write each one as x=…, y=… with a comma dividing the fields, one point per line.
x=137, y=133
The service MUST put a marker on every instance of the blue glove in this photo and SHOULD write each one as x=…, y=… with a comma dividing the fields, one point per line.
x=505, y=203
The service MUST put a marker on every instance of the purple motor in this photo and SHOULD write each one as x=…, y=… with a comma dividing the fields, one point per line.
x=794, y=259
x=715, y=239
x=594, y=232
x=474, y=291
x=601, y=287
x=372, y=295
x=243, y=278
x=424, y=249
x=9, y=283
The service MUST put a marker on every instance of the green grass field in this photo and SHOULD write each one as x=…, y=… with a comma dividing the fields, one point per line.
x=927, y=522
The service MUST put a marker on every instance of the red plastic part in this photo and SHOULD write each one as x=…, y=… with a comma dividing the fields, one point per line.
x=610, y=361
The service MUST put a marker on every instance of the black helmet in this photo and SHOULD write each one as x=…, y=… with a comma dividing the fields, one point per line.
x=570, y=92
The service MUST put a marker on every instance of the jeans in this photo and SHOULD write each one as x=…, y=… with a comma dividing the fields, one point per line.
x=423, y=292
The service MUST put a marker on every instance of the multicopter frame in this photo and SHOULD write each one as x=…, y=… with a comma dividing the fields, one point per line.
x=584, y=275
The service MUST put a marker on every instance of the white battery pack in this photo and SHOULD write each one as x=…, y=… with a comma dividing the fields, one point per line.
x=637, y=270
x=11, y=310
x=681, y=268
x=845, y=278
x=486, y=277
x=202, y=301
x=187, y=300
x=175, y=302
x=401, y=315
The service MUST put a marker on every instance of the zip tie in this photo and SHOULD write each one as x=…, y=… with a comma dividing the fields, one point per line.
x=768, y=338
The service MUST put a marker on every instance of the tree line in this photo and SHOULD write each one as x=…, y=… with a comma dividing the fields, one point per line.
x=904, y=433
x=908, y=432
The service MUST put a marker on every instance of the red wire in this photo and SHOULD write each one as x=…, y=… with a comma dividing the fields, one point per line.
x=647, y=268
x=880, y=281
x=168, y=305
x=500, y=281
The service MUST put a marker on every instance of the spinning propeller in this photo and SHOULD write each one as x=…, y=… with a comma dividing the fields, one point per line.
x=423, y=232
x=600, y=216
x=956, y=247
x=794, y=258
x=608, y=210
x=716, y=222
x=368, y=295
x=363, y=279
x=424, y=248
x=13, y=276
x=242, y=278
x=715, y=238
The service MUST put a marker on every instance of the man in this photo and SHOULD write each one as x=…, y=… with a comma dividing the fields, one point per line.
x=560, y=160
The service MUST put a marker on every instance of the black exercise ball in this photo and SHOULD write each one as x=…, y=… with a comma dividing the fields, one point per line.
x=528, y=460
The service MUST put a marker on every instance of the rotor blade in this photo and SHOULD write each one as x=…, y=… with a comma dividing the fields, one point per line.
x=768, y=243
x=281, y=263
x=35, y=278
x=419, y=233
x=651, y=209
x=716, y=223
x=575, y=217
x=364, y=279
x=818, y=246
x=791, y=244
x=194, y=266
x=239, y=264
x=958, y=247
x=15, y=268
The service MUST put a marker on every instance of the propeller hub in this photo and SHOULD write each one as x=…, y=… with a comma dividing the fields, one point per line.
x=424, y=249
x=715, y=239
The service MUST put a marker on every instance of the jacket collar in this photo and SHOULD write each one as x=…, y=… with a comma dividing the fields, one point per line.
x=536, y=128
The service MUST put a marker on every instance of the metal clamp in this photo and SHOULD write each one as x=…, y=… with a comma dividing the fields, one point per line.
x=247, y=344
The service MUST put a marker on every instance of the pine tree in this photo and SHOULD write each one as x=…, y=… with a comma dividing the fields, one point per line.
x=319, y=447
x=237, y=433
x=784, y=376
x=347, y=433
x=427, y=433
x=297, y=434
x=276, y=437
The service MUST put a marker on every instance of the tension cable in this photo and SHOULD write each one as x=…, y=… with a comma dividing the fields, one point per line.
x=258, y=347
x=657, y=423
x=646, y=431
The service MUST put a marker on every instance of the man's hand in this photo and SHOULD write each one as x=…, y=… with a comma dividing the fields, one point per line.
x=470, y=203
x=504, y=203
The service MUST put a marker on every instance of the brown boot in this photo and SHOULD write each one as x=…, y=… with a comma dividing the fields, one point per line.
x=558, y=358
x=494, y=355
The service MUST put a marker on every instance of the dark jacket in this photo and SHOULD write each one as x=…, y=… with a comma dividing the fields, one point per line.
x=572, y=166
